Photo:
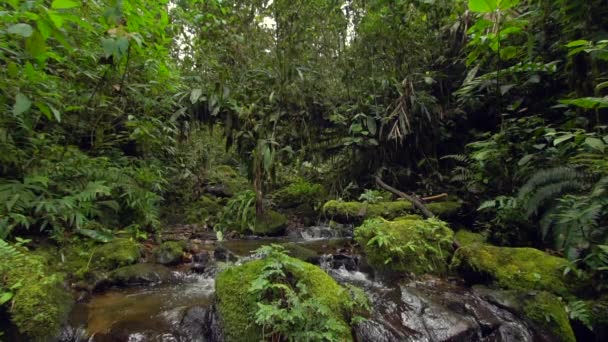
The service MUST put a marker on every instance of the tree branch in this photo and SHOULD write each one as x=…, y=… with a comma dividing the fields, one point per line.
x=412, y=198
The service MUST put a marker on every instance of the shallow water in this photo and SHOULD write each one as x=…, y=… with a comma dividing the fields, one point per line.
x=427, y=309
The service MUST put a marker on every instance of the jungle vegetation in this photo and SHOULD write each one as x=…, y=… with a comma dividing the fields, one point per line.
x=116, y=114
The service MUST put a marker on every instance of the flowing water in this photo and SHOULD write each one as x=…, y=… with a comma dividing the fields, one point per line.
x=426, y=309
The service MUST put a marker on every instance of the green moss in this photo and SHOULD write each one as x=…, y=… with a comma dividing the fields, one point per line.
x=41, y=303
x=116, y=253
x=512, y=268
x=169, y=252
x=237, y=306
x=410, y=244
x=444, y=209
x=548, y=312
x=297, y=193
x=465, y=238
x=204, y=210
x=353, y=211
x=40, y=306
x=272, y=223
x=226, y=175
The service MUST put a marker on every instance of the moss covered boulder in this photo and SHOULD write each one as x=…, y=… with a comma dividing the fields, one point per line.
x=237, y=305
x=549, y=314
x=204, y=210
x=357, y=211
x=41, y=302
x=116, y=253
x=169, y=252
x=272, y=223
x=299, y=193
x=226, y=177
x=407, y=244
x=511, y=268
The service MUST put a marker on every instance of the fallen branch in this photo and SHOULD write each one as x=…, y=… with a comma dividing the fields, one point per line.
x=434, y=197
x=412, y=198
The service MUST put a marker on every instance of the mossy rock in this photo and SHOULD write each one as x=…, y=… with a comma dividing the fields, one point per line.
x=41, y=302
x=511, y=268
x=237, y=306
x=298, y=193
x=169, y=252
x=226, y=175
x=549, y=314
x=357, y=211
x=408, y=244
x=444, y=209
x=116, y=253
x=204, y=210
x=272, y=223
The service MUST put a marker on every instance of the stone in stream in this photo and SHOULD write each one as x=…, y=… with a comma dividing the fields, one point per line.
x=200, y=262
x=170, y=252
x=201, y=324
x=136, y=275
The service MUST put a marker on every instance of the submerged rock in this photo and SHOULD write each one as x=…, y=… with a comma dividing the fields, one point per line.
x=237, y=306
x=169, y=253
x=407, y=244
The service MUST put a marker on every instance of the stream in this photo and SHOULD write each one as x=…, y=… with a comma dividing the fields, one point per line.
x=181, y=309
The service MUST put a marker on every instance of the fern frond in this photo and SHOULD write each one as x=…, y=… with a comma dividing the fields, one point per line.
x=544, y=177
x=548, y=192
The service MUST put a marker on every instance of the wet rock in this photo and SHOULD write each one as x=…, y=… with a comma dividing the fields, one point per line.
x=134, y=275
x=169, y=253
x=201, y=324
x=200, y=262
x=222, y=254
x=433, y=310
x=336, y=261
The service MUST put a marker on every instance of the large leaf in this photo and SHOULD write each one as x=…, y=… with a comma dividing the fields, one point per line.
x=23, y=30
x=97, y=235
x=64, y=4
x=483, y=6
x=195, y=95
x=22, y=104
x=595, y=143
x=588, y=102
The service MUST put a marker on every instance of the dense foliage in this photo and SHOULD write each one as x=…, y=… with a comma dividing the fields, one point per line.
x=118, y=117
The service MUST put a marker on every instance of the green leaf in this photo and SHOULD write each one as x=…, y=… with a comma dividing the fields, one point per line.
x=23, y=30
x=100, y=236
x=64, y=4
x=525, y=159
x=588, y=102
x=195, y=95
x=483, y=6
x=56, y=113
x=108, y=45
x=577, y=43
x=22, y=104
x=371, y=125
x=5, y=297
x=595, y=143
x=563, y=138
